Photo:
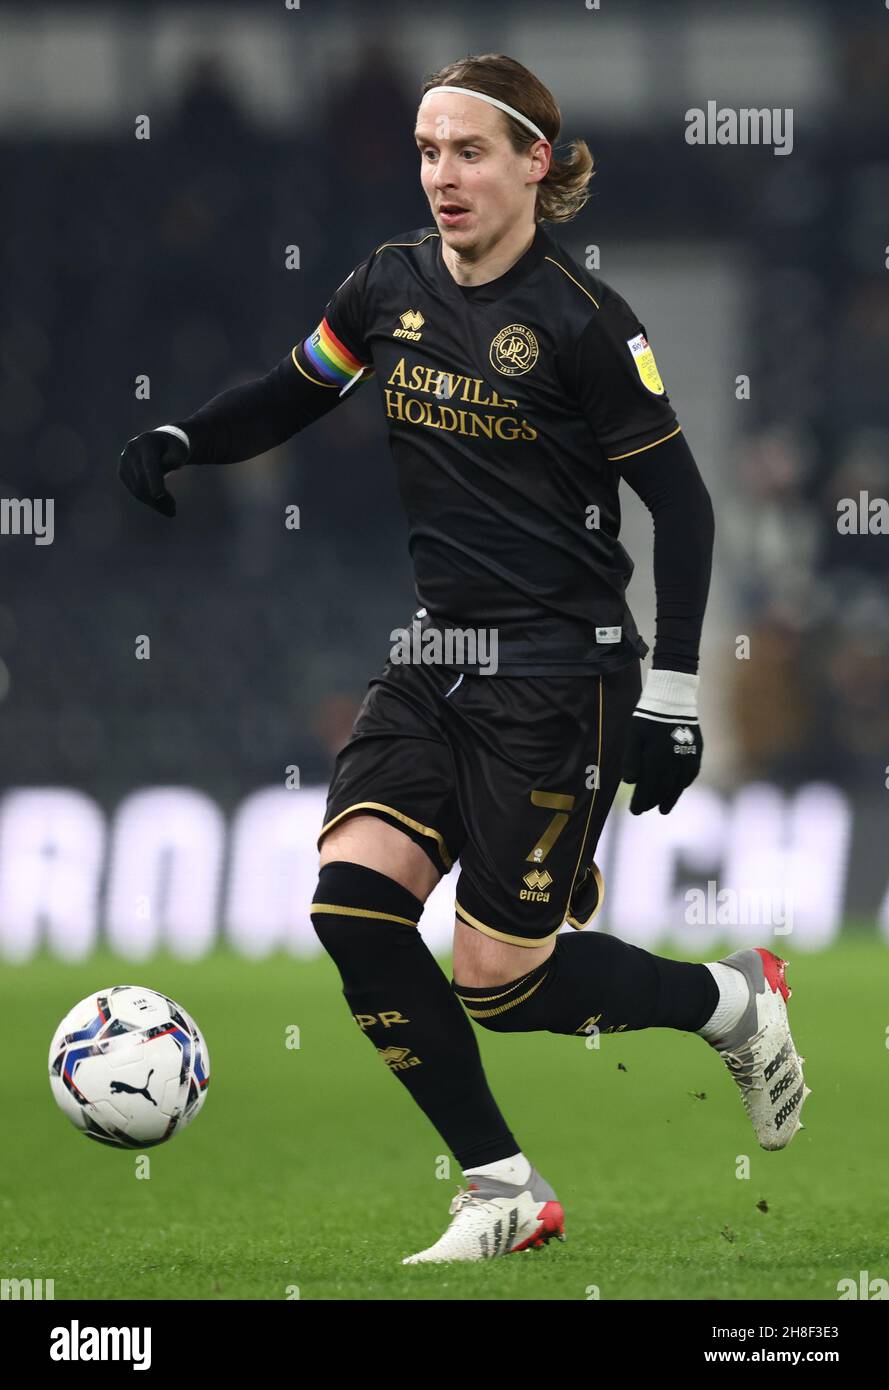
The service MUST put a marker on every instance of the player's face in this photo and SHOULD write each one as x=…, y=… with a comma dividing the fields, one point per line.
x=477, y=186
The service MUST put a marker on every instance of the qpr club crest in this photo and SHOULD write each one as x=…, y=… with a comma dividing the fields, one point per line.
x=514, y=350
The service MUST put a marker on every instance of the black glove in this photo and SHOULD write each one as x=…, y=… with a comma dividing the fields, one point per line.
x=144, y=462
x=664, y=744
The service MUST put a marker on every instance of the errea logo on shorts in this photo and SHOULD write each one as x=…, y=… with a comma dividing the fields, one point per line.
x=537, y=884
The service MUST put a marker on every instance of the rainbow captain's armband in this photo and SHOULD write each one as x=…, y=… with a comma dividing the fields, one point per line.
x=331, y=359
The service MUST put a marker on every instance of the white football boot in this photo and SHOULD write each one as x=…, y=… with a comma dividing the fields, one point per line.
x=760, y=1053
x=492, y=1218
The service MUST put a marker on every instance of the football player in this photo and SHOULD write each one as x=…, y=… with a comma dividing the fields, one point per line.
x=518, y=389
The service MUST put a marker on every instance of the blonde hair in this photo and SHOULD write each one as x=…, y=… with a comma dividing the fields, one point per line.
x=563, y=191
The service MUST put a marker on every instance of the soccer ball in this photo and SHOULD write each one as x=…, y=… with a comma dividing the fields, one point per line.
x=129, y=1067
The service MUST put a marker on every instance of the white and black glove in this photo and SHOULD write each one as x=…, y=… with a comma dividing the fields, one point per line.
x=146, y=459
x=664, y=745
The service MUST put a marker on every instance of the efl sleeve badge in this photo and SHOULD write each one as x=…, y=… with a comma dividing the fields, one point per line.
x=645, y=364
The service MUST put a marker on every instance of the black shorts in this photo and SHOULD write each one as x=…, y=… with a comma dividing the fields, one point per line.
x=513, y=776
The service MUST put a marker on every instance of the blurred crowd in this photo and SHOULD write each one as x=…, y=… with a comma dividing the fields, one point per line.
x=166, y=259
x=807, y=543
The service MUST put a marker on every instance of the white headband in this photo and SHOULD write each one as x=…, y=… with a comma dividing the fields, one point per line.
x=483, y=96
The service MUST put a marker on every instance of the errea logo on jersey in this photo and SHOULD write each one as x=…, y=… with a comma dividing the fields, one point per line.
x=411, y=323
x=645, y=364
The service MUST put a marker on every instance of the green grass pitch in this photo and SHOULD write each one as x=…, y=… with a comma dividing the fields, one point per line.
x=312, y=1167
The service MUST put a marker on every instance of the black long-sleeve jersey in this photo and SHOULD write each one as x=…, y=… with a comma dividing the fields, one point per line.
x=512, y=408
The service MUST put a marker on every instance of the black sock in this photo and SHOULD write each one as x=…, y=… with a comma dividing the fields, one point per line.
x=401, y=999
x=596, y=980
